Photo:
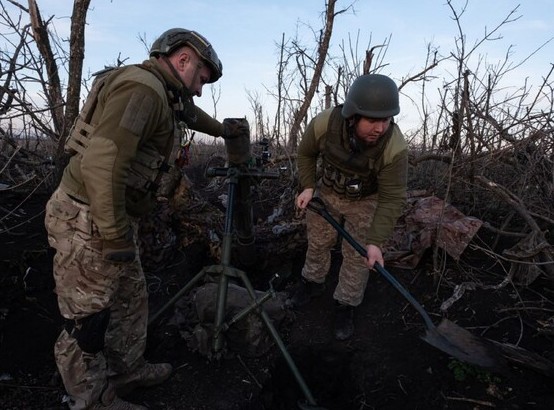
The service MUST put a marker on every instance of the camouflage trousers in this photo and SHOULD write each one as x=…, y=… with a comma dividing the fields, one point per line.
x=322, y=237
x=85, y=285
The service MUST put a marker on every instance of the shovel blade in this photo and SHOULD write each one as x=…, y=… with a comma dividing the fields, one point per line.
x=465, y=346
x=306, y=406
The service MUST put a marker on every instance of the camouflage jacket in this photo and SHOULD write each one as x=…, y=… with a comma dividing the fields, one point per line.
x=386, y=166
x=131, y=135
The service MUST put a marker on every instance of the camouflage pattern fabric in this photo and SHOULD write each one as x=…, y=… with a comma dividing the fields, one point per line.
x=353, y=274
x=86, y=284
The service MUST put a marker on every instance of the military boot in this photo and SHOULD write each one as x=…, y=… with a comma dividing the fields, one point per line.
x=147, y=375
x=118, y=404
x=344, y=321
x=304, y=292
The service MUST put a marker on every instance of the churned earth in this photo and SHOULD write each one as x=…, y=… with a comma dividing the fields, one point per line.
x=386, y=365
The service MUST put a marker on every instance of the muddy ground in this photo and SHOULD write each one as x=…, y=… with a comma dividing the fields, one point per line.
x=386, y=365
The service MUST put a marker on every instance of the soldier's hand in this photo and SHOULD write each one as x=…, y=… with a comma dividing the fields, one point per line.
x=120, y=250
x=235, y=127
x=304, y=198
x=374, y=254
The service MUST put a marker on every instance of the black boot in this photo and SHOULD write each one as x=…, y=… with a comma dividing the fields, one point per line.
x=304, y=292
x=344, y=321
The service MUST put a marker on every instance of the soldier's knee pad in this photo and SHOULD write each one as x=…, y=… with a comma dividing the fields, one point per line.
x=90, y=331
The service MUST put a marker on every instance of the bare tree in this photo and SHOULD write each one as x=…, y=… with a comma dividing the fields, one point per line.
x=310, y=86
x=76, y=56
x=492, y=153
x=40, y=56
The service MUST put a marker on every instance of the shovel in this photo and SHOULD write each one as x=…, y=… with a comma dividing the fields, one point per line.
x=447, y=336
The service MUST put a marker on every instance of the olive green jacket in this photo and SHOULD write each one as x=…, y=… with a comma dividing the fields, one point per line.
x=133, y=116
x=391, y=171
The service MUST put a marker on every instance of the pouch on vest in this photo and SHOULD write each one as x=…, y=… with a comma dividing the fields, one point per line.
x=78, y=138
x=146, y=170
x=353, y=188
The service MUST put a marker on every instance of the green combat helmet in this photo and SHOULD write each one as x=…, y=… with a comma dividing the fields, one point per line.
x=372, y=96
x=170, y=40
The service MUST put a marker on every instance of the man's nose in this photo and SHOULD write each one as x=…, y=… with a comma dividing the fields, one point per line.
x=380, y=126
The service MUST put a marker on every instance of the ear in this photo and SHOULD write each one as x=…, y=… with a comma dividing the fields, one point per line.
x=182, y=57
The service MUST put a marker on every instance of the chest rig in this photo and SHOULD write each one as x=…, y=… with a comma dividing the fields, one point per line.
x=149, y=164
x=348, y=168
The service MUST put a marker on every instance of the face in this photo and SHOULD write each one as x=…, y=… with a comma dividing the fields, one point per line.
x=369, y=130
x=193, y=71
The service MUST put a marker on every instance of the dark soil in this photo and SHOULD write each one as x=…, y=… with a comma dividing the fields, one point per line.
x=386, y=365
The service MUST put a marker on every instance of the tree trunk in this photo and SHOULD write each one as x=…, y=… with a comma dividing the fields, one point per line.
x=322, y=55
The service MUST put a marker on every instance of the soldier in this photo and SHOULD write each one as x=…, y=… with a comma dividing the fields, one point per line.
x=121, y=145
x=362, y=180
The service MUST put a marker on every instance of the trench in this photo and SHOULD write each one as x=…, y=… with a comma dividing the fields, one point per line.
x=326, y=371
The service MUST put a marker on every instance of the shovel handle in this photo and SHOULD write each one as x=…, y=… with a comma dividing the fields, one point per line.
x=316, y=205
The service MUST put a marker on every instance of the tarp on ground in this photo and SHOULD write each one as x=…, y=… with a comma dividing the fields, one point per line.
x=426, y=222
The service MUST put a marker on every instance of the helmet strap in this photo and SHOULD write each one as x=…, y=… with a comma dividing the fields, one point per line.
x=175, y=74
x=353, y=141
x=183, y=105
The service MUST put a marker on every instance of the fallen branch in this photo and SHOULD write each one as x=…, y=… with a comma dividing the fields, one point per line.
x=526, y=358
x=510, y=198
x=535, y=245
x=481, y=402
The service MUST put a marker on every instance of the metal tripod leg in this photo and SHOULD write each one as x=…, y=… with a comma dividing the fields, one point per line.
x=225, y=271
x=269, y=324
x=177, y=296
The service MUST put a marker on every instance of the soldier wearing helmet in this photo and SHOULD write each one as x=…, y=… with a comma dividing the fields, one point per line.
x=176, y=37
x=122, y=145
x=362, y=180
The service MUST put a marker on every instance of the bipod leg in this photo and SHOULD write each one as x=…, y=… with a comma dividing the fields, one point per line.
x=227, y=271
x=177, y=296
x=222, y=288
x=221, y=304
x=275, y=335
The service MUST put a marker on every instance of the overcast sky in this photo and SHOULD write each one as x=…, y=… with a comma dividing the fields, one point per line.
x=245, y=34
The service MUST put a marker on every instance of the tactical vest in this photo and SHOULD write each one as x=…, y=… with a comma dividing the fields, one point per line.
x=148, y=166
x=352, y=172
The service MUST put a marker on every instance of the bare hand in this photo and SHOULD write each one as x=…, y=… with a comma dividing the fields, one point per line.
x=374, y=254
x=304, y=197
